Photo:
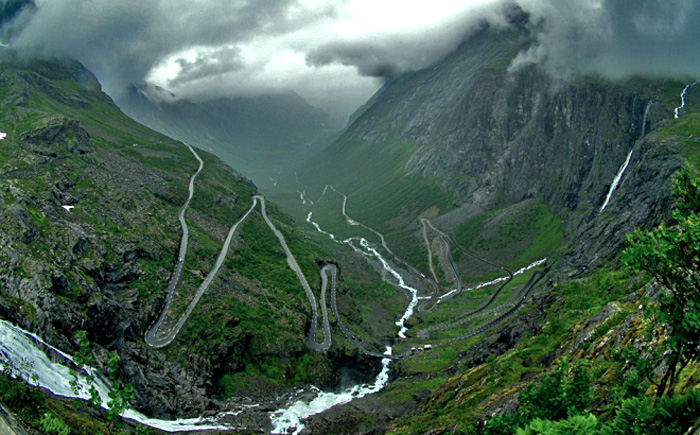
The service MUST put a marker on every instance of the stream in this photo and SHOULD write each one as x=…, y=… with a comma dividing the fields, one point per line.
x=368, y=252
x=22, y=349
x=286, y=420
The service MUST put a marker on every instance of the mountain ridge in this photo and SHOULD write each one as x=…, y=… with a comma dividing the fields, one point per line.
x=481, y=136
x=90, y=200
x=258, y=135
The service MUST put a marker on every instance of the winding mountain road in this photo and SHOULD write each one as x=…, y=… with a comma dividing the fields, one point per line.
x=177, y=273
x=152, y=338
x=156, y=340
x=501, y=311
x=292, y=262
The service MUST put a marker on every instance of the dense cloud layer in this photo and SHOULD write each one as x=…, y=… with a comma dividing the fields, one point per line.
x=388, y=55
x=616, y=37
x=336, y=53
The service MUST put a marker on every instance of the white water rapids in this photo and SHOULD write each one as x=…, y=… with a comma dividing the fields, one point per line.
x=318, y=228
x=290, y=419
x=497, y=280
x=414, y=293
x=367, y=251
x=21, y=348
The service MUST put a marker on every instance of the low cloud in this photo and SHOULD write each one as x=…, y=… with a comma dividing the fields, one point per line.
x=615, y=37
x=337, y=53
x=387, y=54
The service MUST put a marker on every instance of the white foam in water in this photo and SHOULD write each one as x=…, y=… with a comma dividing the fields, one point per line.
x=19, y=346
x=289, y=420
x=387, y=268
x=318, y=228
x=498, y=280
x=414, y=293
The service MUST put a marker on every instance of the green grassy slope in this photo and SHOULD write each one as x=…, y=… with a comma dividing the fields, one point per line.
x=67, y=143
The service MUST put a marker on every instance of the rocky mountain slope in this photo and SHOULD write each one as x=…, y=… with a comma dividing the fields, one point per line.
x=471, y=136
x=507, y=167
x=257, y=135
x=516, y=165
x=89, y=203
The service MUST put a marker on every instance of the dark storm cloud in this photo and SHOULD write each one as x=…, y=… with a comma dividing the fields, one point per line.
x=612, y=37
x=123, y=40
x=371, y=59
x=214, y=63
x=660, y=37
x=14, y=15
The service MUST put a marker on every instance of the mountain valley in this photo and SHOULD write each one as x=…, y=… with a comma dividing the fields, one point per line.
x=455, y=260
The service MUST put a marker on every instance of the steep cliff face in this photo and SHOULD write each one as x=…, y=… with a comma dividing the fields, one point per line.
x=490, y=137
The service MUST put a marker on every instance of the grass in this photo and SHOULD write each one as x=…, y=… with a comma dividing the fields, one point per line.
x=549, y=233
x=388, y=197
x=463, y=396
x=685, y=130
x=129, y=190
x=403, y=390
x=515, y=236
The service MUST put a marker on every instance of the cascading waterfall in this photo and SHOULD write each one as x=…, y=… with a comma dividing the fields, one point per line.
x=21, y=349
x=621, y=171
x=288, y=419
x=646, y=116
x=677, y=112
x=616, y=180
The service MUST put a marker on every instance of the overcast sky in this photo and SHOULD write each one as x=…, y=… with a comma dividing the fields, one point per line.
x=336, y=53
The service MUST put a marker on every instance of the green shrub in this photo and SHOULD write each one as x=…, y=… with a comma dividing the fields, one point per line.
x=53, y=426
x=671, y=255
x=574, y=425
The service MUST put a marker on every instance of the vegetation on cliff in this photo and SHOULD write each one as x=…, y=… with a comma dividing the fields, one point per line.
x=89, y=202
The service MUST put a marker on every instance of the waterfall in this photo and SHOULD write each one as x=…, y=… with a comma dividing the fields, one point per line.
x=677, y=112
x=616, y=180
x=22, y=349
x=646, y=115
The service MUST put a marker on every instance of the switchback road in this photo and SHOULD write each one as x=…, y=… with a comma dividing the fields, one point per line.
x=156, y=340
